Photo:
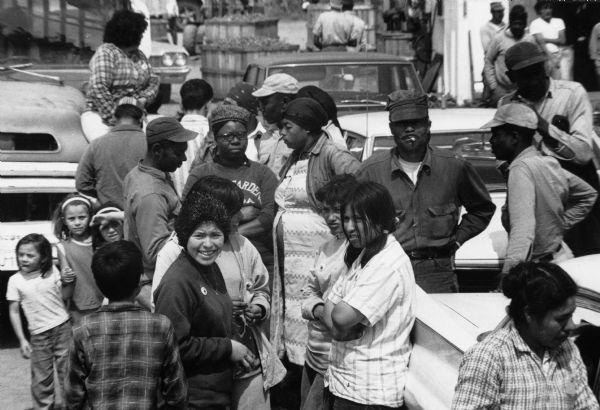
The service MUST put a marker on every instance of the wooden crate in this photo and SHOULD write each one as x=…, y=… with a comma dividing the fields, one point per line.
x=217, y=57
x=221, y=28
x=221, y=80
x=395, y=42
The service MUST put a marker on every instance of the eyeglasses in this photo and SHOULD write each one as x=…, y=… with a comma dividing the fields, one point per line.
x=230, y=136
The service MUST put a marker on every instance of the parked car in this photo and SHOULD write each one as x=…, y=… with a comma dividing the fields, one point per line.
x=457, y=129
x=41, y=142
x=448, y=324
x=356, y=81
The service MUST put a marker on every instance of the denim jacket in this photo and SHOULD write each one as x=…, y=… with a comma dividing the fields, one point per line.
x=324, y=162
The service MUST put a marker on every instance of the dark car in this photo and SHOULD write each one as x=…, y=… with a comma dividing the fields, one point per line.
x=356, y=81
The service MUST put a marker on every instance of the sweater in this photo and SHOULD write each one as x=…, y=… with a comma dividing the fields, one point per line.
x=195, y=299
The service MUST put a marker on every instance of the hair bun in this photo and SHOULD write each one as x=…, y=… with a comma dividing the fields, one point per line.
x=514, y=281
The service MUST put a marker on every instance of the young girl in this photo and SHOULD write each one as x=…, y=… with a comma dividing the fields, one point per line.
x=107, y=225
x=370, y=309
x=72, y=227
x=38, y=290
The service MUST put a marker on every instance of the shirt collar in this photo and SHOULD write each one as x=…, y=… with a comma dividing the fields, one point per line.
x=120, y=307
x=521, y=346
x=530, y=151
x=425, y=164
x=217, y=159
x=155, y=172
x=549, y=94
x=126, y=127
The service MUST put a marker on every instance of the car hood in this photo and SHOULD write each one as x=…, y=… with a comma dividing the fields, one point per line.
x=488, y=249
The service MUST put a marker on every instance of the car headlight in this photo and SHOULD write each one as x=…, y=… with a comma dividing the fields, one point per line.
x=180, y=59
x=168, y=59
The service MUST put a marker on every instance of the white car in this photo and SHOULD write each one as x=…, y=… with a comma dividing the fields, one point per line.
x=448, y=324
x=452, y=128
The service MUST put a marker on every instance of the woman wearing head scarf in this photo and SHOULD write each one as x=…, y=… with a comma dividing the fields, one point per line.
x=229, y=125
x=300, y=229
x=120, y=73
x=332, y=128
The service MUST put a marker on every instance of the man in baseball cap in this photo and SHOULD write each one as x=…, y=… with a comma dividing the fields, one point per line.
x=273, y=97
x=543, y=200
x=151, y=201
x=428, y=186
x=564, y=130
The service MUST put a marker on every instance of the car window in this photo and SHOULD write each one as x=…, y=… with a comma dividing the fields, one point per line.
x=355, y=81
x=20, y=207
x=355, y=144
x=14, y=141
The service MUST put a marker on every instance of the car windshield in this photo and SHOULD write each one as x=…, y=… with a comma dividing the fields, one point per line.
x=472, y=146
x=355, y=82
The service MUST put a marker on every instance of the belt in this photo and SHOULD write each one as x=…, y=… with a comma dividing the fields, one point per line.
x=549, y=256
x=431, y=253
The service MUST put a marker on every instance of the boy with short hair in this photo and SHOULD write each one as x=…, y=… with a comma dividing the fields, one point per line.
x=123, y=356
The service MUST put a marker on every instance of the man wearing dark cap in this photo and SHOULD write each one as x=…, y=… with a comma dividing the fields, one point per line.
x=543, y=200
x=151, y=201
x=564, y=131
x=333, y=30
x=493, y=26
x=429, y=186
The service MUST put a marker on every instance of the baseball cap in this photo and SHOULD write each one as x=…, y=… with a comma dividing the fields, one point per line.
x=277, y=83
x=241, y=94
x=167, y=129
x=407, y=105
x=496, y=6
x=523, y=55
x=515, y=114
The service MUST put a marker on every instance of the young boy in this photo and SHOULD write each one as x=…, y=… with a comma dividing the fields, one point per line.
x=122, y=355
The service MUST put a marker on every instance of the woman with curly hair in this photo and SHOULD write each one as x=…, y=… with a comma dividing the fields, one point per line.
x=194, y=296
x=121, y=73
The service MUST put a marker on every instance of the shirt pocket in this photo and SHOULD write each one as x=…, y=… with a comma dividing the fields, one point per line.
x=442, y=221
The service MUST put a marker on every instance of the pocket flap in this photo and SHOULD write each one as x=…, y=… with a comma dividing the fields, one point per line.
x=440, y=210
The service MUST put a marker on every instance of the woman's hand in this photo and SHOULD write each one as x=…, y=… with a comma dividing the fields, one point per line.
x=242, y=356
x=254, y=313
x=25, y=349
x=67, y=276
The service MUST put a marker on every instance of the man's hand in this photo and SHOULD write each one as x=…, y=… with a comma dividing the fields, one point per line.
x=25, y=349
x=249, y=213
x=355, y=332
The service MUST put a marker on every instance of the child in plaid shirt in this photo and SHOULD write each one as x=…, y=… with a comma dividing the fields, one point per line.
x=121, y=354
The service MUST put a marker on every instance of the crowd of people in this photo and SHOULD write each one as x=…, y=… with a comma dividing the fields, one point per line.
x=240, y=256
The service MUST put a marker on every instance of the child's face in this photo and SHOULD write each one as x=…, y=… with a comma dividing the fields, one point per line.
x=28, y=258
x=112, y=231
x=77, y=220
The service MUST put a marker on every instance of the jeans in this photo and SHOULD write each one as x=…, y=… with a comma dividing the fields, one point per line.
x=248, y=393
x=332, y=402
x=311, y=392
x=49, y=349
x=435, y=275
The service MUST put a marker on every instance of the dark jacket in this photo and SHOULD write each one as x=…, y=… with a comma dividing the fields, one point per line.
x=195, y=299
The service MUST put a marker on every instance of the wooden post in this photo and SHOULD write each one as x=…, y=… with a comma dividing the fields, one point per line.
x=46, y=14
x=63, y=20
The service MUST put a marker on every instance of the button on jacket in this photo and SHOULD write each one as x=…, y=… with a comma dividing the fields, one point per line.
x=429, y=211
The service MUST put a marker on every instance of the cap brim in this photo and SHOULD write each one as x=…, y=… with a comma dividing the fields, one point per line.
x=529, y=61
x=263, y=92
x=409, y=113
x=493, y=123
x=183, y=135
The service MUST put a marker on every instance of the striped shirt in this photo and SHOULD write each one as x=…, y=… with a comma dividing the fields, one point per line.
x=502, y=372
x=372, y=369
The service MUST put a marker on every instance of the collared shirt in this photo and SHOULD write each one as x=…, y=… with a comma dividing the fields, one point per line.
x=199, y=124
x=428, y=212
x=488, y=31
x=123, y=357
x=334, y=27
x=549, y=30
x=100, y=172
x=544, y=201
x=116, y=75
x=372, y=369
x=494, y=68
x=357, y=32
x=272, y=151
x=151, y=205
x=329, y=265
x=502, y=372
x=567, y=98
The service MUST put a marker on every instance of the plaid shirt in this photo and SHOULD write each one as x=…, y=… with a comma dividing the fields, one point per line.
x=502, y=372
x=123, y=357
x=116, y=75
